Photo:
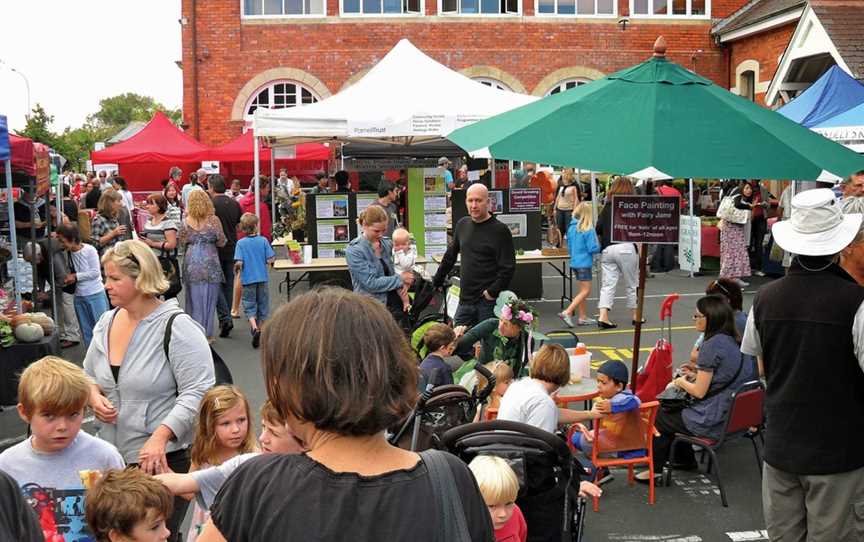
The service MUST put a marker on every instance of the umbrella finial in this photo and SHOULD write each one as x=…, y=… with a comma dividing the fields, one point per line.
x=660, y=47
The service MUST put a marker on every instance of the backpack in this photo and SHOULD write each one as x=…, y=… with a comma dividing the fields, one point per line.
x=220, y=369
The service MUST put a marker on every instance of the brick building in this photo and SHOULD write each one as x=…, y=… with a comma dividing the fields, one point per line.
x=239, y=54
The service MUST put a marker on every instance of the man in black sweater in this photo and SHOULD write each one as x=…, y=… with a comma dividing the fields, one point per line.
x=488, y=259
x=228, y=212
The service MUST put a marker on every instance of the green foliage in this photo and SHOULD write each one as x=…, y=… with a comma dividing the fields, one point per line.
x=114, y=114
x=118, y=111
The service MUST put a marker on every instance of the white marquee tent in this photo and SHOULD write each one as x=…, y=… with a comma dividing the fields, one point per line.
x=406, y=97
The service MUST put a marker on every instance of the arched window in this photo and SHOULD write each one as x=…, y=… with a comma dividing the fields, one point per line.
x=494, y=83
x=279, y=95
x=747, y=85
x=567, y=84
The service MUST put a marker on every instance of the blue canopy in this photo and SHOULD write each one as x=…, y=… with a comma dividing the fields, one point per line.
x=832, y=94
x=850, y=117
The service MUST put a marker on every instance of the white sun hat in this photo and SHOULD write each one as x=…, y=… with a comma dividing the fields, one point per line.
x=817, y=227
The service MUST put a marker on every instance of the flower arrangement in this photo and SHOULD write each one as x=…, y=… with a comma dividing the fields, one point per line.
x=518, y=312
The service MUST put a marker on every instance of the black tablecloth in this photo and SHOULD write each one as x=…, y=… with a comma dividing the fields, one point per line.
x=16, y=358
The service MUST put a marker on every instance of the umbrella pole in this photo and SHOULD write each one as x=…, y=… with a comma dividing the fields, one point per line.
x=255, y=182
x=640, y=302
x=692, y=237
x=13, y=241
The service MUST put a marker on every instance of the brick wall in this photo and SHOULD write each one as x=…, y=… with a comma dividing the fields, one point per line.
x=231, y=53
x=765, y=49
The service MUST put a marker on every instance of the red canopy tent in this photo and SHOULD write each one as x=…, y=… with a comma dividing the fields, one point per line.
x=236, y=158
x=145, y=158
x=23, y=158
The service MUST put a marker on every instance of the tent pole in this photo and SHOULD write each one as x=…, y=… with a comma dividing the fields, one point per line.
x=692, y=237
x=341, y=156
x=255, y=181
x=640, y=303
x=13, y=241
x=272, y=187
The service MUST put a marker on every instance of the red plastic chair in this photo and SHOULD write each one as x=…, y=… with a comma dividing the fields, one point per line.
x=603, y=445
x=744, y=419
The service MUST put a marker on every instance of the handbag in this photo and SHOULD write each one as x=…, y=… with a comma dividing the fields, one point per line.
x=171, y=270
x=728, y=212
x=70, y=288
x=675, y=399
x=448, y=501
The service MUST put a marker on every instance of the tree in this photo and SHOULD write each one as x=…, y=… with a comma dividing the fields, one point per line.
x=37, y=127
x=118, y=111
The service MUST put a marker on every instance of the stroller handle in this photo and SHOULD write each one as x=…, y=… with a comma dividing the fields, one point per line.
x=451, y=437
x=490, y=382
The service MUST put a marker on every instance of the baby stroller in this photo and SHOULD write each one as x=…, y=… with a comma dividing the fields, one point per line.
x=439, y=409
x=548, y=474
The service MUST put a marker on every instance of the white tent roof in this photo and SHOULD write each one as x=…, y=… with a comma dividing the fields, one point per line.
x=406, y=95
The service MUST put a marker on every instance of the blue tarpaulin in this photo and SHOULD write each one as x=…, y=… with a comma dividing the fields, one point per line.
x=5, y=151
x=851, y=117
x=832, y=94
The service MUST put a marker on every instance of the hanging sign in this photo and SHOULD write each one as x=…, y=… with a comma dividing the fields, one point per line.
x=690, y=244
x=645, y=219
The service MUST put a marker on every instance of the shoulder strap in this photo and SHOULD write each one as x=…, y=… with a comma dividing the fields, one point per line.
x=447, y=498
x=166, y=340
x=727, y=384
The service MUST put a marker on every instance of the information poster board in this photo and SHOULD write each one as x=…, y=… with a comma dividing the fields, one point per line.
x=335, y=206
x=690, y=243
x=645, y=219
x=364, y=201
x=427, y=210
x=331, y=223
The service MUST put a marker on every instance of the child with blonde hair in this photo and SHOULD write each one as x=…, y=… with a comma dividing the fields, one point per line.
x=51, y=465
x=404, y=258
x=499, y=487
x=252, y=255
x=582, y=243
x=503, y=374
x=222, y=432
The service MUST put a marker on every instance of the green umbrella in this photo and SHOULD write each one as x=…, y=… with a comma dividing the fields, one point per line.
x=662, y=116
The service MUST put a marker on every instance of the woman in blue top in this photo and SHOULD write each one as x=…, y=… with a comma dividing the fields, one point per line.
x=370, y=262
x=720, y=370
x=583, y=244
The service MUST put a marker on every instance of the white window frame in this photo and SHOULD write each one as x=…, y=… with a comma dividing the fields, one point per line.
x=270, y=85
x=492, y=82
x=668, y=14
x=420, y=13
x=283, y=15
x=459, y=13
x=579, y=15
x=578, y=80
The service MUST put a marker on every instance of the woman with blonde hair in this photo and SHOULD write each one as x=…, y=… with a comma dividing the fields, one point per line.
x=566, y=199
x=144, y=393
x=200, y=235
x=583, y=244
x=107, y=228
x=616, y=260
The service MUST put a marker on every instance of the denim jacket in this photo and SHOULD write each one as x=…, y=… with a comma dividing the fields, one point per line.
x=367, y=273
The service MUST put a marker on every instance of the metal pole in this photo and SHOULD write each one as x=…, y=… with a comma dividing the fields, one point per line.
x=640, y=303
x=13, y=241
x=255, y=183
x=273, y=188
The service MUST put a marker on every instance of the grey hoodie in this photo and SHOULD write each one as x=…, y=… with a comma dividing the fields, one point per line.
x=150, y=390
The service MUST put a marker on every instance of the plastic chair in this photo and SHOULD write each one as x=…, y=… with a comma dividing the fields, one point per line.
x=564, y=337
x=632, y=430
x=744, y=419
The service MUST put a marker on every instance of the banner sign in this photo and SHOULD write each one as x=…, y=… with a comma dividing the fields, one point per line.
x=690, y=244
x=5, y=151
x=524, y=199
x=645, y=219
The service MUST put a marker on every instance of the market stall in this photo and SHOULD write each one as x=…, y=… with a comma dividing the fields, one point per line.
x=145, y=158
x=237, y=158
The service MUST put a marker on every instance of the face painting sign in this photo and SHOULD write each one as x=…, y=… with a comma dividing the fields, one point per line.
x=645, y=219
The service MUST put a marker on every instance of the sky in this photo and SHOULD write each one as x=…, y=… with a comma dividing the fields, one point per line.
x=77, y=52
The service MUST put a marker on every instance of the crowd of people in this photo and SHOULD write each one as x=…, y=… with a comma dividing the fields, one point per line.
x=168, y=435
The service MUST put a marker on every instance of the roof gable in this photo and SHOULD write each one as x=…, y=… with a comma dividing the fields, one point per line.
x=755, y=12
x=843, y=20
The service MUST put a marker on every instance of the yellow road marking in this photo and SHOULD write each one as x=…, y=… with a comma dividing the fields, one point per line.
x=610, y=354
x=630, y=330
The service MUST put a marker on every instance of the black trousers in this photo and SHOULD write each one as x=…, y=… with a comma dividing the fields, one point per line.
x=667, y=424
x=178, y=461
x=758, y=229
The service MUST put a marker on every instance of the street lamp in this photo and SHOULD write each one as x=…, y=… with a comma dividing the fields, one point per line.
x=26, y=84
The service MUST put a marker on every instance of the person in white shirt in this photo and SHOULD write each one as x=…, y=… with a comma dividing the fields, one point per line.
x=86, y=274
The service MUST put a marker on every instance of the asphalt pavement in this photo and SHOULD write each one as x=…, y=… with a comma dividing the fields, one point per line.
x=688, y=511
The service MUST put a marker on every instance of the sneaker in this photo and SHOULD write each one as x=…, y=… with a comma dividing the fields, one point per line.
x=256, y=338
x=759, y=273
x=604, y=476
x=587, y=321
x=741, y=283
x=566, y=318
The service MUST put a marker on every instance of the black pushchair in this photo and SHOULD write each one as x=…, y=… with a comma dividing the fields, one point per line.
x=548, y=474
x=439, y=409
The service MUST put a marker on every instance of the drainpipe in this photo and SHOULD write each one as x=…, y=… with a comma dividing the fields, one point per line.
x=195, y=109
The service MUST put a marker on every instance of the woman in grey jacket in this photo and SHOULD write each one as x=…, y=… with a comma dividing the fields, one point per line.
x=370, y=261
x=146, y=403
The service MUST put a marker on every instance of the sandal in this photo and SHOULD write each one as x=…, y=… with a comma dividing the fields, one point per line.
x=644, y=477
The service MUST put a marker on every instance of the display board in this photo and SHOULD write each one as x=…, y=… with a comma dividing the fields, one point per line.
x=331, y=222
x=427, y=211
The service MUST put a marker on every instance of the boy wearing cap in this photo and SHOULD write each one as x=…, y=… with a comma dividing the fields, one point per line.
x=615, y=398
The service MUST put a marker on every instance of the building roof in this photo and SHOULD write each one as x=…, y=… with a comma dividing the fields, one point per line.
x=130, y=130
x=755, y=12
x=843, y=20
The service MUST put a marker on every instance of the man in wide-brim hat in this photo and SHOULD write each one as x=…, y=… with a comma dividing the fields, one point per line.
x=807, y=330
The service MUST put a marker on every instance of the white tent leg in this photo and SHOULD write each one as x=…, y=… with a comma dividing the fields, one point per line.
x=255, y=181
x=692, y=237
x=12, y=236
